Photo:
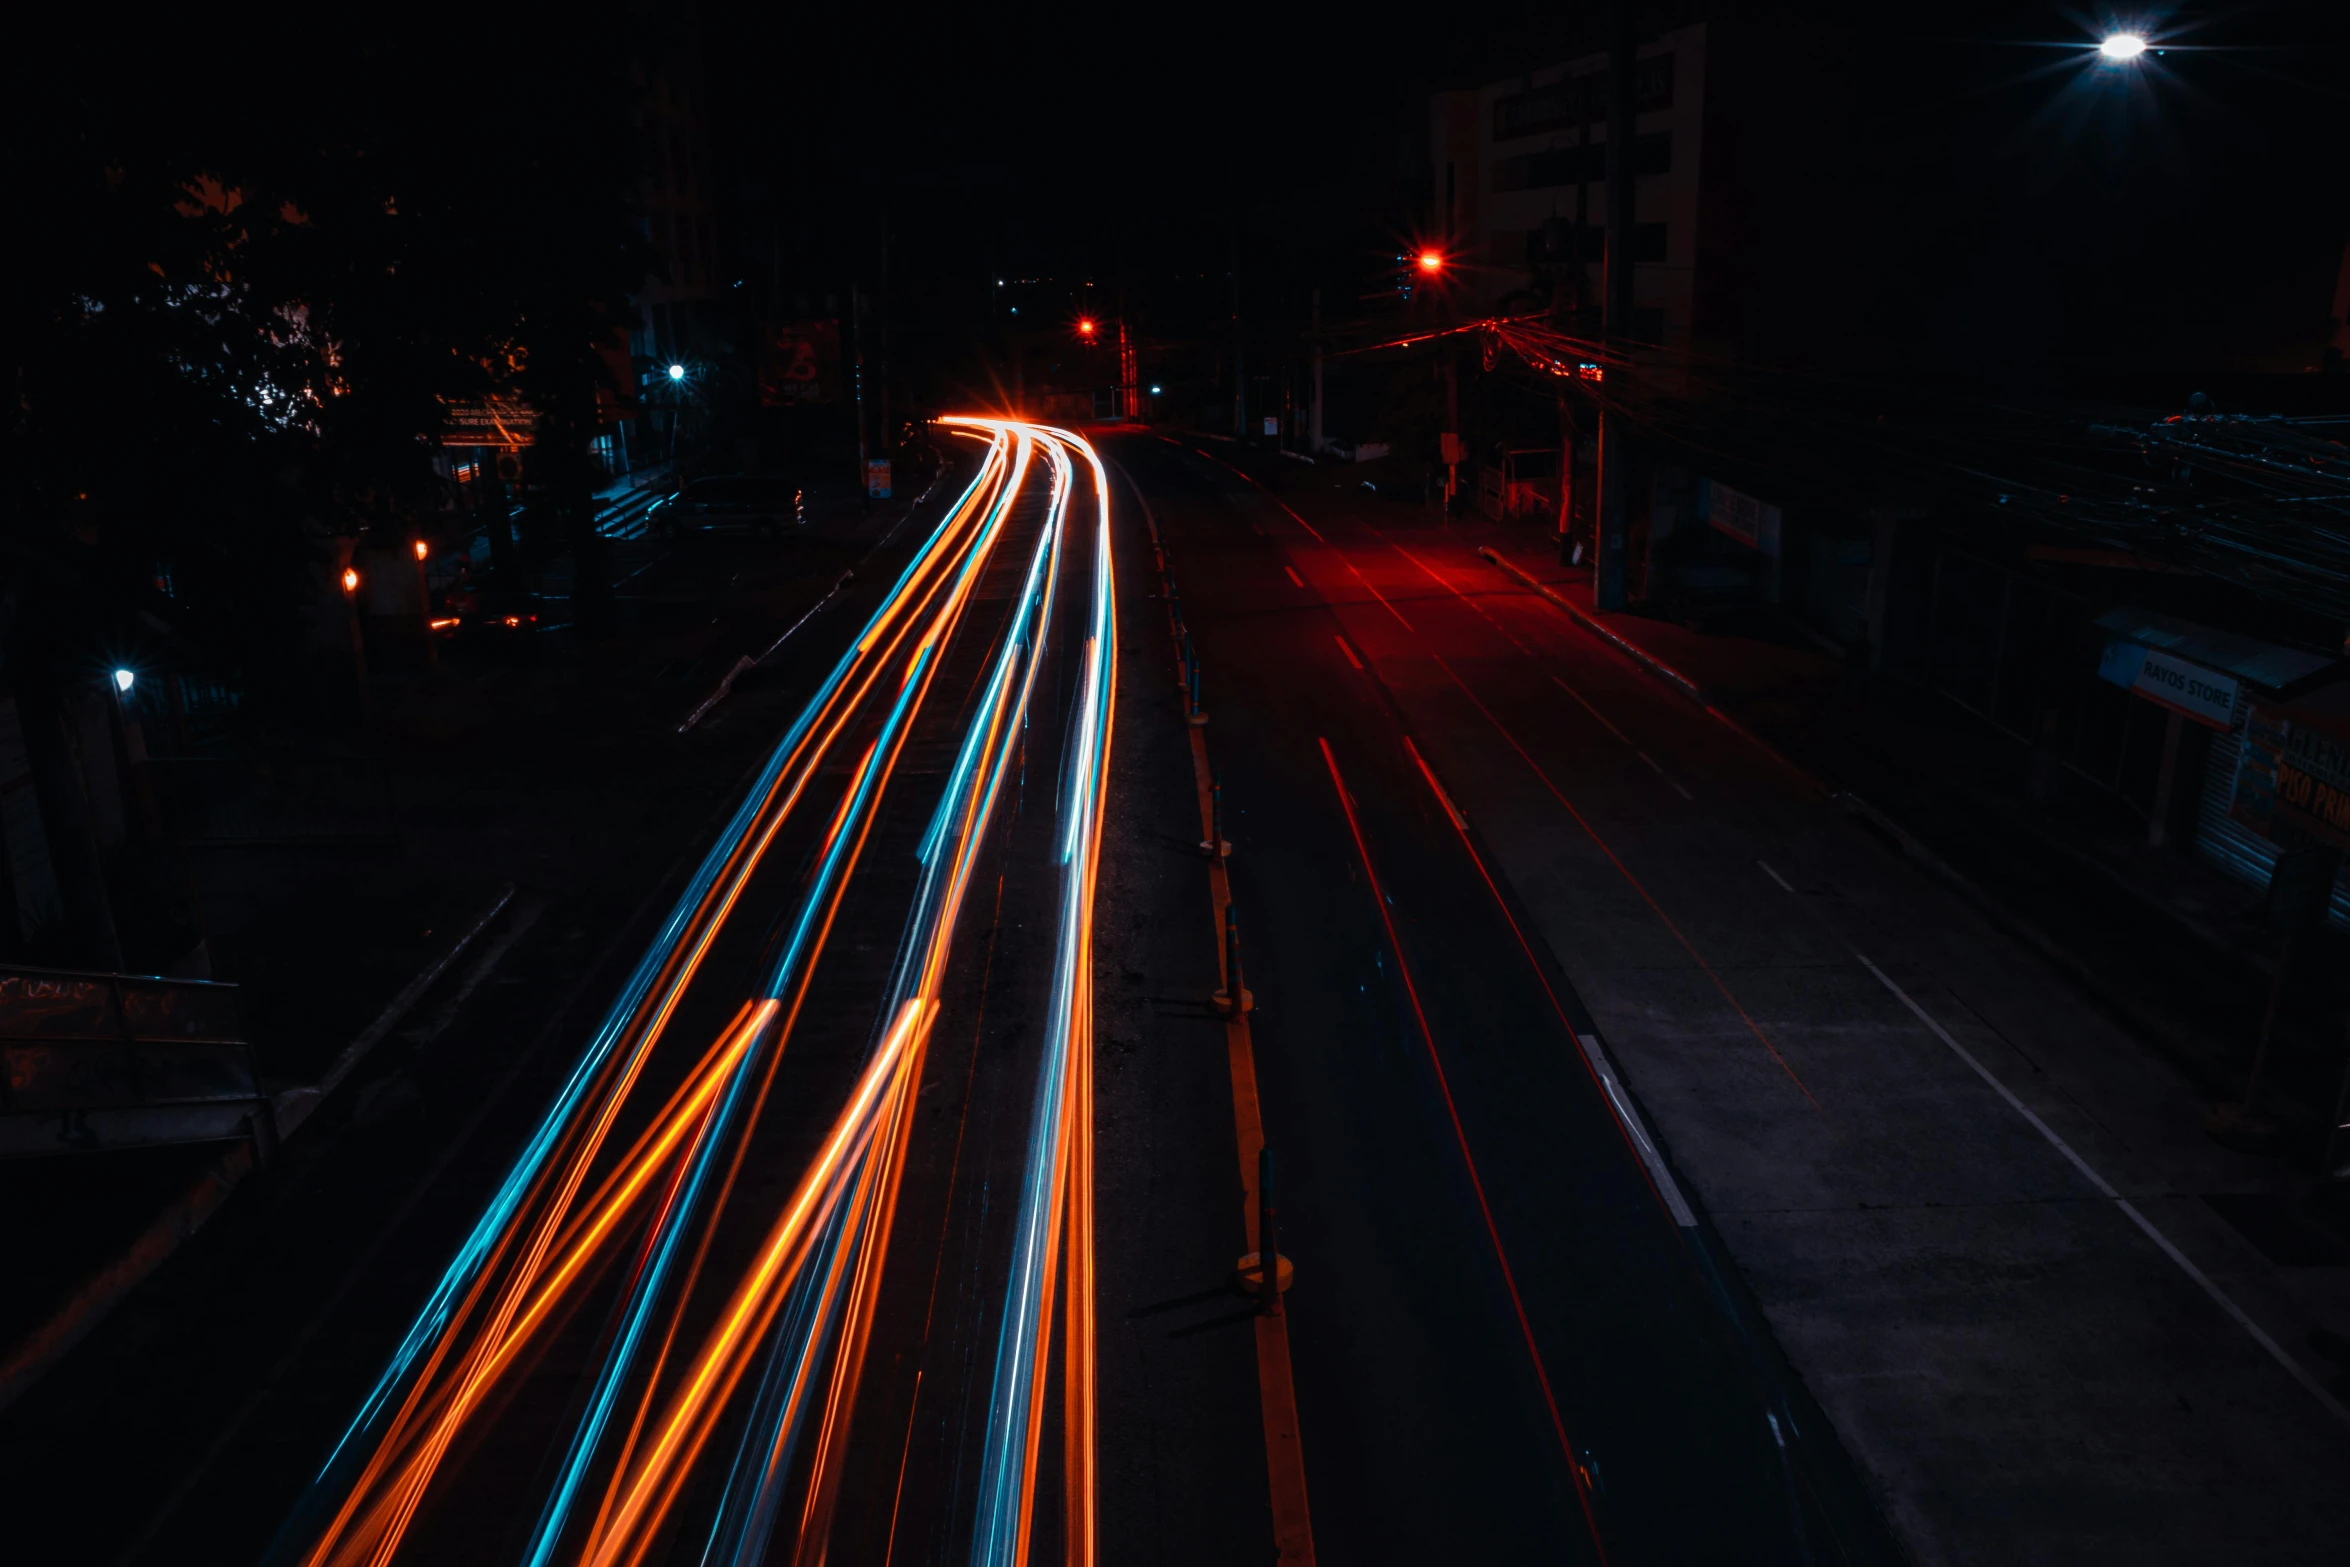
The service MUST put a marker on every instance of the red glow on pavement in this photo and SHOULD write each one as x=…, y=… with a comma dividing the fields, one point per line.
x=1541, y=977
x=1476, y=1182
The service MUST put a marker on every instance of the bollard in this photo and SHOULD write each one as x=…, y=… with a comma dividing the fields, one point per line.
x=1195, y=716
x=1265, y=1273
x=1268, y=1239
x=1216, y=847
x=1234, y=998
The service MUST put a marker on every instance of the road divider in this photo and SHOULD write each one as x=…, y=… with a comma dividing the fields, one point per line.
x=1293, y=1529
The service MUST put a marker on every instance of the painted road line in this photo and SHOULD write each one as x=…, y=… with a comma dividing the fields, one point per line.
x=1628, y=1126
x=1293, y=1526
x=2105, y=1188
x=1637, y=1130
x=1285, y=1467
x=1293, y=576
x=1348, y=649
x=1635, y=883
x=1446, y=583
x=1381, y=903
x=2129, y=1209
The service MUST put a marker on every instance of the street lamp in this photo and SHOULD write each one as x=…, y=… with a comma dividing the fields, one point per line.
x=1086, y=328
x=677, y=372
x=124, y=680
x=1431, y=262
x=2120, y=47
x=422, y=549
x=350, y=579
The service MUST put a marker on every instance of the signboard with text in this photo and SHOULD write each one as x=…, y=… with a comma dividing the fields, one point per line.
x=799, y=364
x=1752, y=523
x=2188, y=689
x=493, y=421
x=2294, y=774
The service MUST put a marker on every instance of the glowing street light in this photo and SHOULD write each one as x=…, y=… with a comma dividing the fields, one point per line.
x=1086, y=327
x=1431, y=262
x=350, y=579
x=677, y=372
x=423, y=549
x=124, y=680
x=1154, y=391
x=2122, y=46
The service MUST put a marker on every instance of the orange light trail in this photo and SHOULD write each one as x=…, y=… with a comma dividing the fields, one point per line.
x=796, y=1321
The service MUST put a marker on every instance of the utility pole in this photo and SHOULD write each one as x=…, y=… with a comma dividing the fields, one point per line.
x=1239, y=361
x=1314, y=414
x=857, y=378
x=1615, y=487
x=1450, y=439
x=888, y=439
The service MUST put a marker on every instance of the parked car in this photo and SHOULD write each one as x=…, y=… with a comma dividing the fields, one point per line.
x=729, y=502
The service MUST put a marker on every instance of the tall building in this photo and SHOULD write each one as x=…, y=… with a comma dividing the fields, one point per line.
x=1520, y=170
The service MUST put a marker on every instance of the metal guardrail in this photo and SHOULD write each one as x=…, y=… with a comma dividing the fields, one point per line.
x=118, y=1061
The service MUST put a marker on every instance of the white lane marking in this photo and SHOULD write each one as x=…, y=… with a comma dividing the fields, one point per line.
x=2129, y=1209
x=1666, y=1187
x=1620, y=735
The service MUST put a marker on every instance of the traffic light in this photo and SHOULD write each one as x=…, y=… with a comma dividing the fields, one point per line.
x=1087, y=327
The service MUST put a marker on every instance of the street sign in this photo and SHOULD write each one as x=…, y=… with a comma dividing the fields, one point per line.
x=494, y=421
x=2167, y=680
x=1752, y=523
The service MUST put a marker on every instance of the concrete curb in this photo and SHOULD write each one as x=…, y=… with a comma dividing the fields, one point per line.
x=1655, y=665
x=2172, y=1043
x=1590, y=623
x=34, y=1354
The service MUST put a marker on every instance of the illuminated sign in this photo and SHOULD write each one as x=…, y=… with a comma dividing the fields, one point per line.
x=493, y=421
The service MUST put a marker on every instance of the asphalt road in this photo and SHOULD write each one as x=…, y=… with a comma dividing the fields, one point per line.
x=1506, y=1346
x=1961, y=1240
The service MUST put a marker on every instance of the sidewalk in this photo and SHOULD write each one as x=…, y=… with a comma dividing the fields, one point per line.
x=2051, y=1320
x=2157, y=934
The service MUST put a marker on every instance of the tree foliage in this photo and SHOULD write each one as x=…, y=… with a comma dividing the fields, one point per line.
x=264, y=258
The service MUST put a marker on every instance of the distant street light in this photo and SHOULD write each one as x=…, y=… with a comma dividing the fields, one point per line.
x=350, y=579
x=1154, y=391
x=422, y=549
x=124, y=680
x=1431, y=262
x=2122, y=46
x=1086, y=328
x=677, y=372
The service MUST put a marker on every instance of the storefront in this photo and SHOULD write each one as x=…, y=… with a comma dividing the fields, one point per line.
x=2225, y=685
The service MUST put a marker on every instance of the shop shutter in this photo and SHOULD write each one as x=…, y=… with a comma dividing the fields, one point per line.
x=2228, y=844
